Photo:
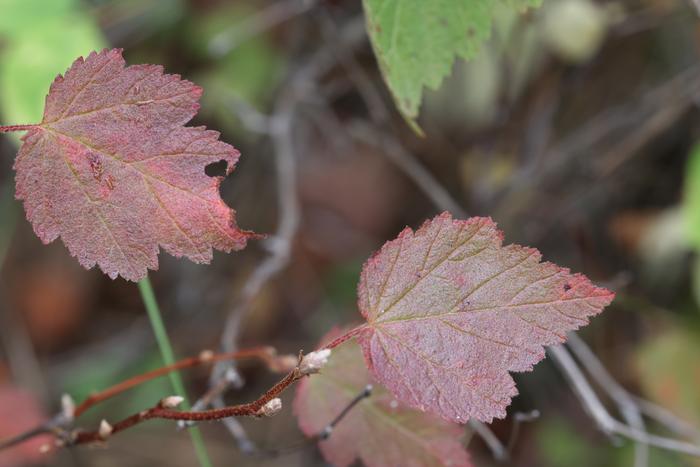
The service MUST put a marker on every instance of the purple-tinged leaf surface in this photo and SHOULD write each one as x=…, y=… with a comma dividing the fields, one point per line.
x=450, y=311
x=114, y=172
x=378, y=430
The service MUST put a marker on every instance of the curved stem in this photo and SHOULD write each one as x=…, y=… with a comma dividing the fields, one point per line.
x=347, y=336
x=11, y=128
x=166, y=350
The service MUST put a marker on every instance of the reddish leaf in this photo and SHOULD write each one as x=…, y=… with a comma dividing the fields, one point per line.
x=20, y=412
x=450, y=312
x=378, y=430
x=112, y=170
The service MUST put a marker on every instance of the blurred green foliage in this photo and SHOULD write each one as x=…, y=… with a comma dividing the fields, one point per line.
x=39, y=40
x=247, y=72
x=691, y=202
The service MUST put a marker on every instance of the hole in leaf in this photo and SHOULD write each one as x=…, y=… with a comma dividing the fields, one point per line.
x=216, y=169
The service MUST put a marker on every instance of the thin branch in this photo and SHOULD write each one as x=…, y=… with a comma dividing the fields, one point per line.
x=159, y=411
x=323, y=434
x=518, y=419
x=628, y=407
x=696, y=4
x=267, y=18
x=667, y=419
x=245, y=445
x=279, y=127
x=498, y=450
x=408, y=164
x=265, y=354
x=347, y=336
x=328, y=429
x=11, y=128
x=606, y=423
x=59, y=424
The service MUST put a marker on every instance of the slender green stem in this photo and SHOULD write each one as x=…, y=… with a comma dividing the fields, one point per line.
x=166, y=350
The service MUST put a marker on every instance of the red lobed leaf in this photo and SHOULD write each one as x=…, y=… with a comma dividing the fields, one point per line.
x=378, y=430
x=20, y=412
x=450, y=311
x=114, y=172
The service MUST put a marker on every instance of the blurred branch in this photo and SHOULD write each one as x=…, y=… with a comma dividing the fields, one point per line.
x=628, y=408
x=322, y=434
x=409, y=165
x=166, y=411
x=606, y=422
x=498, y=450
x=265, y=354
x=60, y=424
x=267, y=18
x=279, y=127
x=622, y=396
x=696, y=4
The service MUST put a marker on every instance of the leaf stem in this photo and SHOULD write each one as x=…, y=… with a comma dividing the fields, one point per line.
x=166, y=351
x=345, y=337
x=11, y=128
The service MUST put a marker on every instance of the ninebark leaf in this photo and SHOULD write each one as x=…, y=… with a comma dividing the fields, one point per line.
x=379, y=431
x=114, y=172
x=450, y=311
x=416, y=42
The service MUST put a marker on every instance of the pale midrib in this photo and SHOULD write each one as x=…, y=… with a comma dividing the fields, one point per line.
x=484, y=310
x=99, y=215
x=426, y=275
x=110, y=107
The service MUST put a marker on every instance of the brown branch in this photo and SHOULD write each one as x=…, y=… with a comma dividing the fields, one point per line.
x=60, y=424
x=10, y=128
x=266, y=354
x=251, y=409
x=345, y=337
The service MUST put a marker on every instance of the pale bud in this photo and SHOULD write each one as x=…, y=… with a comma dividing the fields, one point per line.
x=171, y=402
x=271, y=408
x=314, y=361
x=105, y=429
x=67, y=407
x=206, y=355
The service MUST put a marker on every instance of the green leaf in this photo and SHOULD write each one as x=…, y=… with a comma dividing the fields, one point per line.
x=691, y=198
x=416, y=41
x=39, y=40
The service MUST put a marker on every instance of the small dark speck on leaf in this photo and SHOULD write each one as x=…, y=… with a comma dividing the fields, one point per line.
x=567, y=287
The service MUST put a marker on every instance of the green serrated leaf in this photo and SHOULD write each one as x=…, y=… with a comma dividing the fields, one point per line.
x=691, y=198
x=416, y=41
x=39, y=40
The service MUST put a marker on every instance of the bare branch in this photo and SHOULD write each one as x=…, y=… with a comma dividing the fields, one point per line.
x=628, y=407
x=498, y=450
x=606, y=423
x=696, y=4
x=267, y=18
x=439, y=196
